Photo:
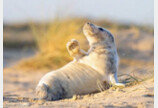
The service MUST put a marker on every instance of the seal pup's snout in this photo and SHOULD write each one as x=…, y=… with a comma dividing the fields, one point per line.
x=89, y=29
x=90, y=24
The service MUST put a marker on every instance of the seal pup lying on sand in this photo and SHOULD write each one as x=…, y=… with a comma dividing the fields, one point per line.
x=81, y=76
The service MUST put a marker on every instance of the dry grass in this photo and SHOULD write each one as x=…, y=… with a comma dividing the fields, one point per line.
x=51, y=41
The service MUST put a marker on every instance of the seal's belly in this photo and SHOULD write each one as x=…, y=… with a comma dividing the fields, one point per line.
x=80, y=78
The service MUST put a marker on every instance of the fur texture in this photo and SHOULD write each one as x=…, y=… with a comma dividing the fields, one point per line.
x=81, y=76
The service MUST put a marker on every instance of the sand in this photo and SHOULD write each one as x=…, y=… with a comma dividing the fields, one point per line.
x=19, y=91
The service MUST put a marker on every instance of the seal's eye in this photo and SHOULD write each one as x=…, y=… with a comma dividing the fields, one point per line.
x=101, y=29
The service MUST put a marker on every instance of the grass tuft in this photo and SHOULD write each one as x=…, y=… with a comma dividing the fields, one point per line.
x=51, y=39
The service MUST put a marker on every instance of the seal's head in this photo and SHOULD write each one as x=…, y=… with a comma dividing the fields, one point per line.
x=96, y=34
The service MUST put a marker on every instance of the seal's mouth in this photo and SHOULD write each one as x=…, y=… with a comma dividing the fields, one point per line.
x=89, y=29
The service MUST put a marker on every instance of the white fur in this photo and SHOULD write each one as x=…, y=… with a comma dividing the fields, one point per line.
x=80, y=76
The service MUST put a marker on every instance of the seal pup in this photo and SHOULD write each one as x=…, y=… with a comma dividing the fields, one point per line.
x=81, y=75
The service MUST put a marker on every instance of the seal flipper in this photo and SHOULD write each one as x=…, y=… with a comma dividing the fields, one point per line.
x=113, y=79
x=42, y=91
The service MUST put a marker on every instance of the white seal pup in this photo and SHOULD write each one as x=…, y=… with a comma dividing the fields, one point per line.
x=81, y=76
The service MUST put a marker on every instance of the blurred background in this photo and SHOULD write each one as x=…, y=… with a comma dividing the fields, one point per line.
x=36, y=31
x=125, y=11
x=35, y=36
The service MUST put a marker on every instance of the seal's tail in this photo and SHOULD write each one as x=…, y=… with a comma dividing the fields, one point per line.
x=42, y=91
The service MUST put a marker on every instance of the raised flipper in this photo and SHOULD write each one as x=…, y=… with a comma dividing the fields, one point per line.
x=74, y=49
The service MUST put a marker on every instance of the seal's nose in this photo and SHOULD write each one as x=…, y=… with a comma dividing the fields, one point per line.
x=90, y=24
